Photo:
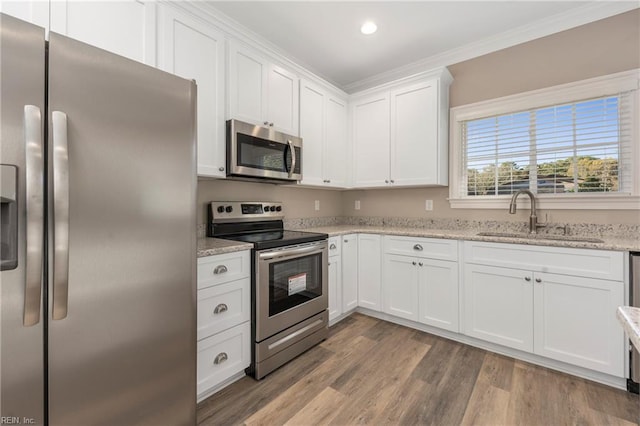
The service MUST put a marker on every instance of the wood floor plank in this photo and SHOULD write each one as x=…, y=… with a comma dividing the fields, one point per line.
x=433, y=366
x=300, y=393
x=320, y=410
x=614, y=402
x=487, y=405
x=497, y=371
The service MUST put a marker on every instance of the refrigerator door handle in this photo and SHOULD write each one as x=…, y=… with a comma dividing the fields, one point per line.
x=34, y=206
x=60, y=215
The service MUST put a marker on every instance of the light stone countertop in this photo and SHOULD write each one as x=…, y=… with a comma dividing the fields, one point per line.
x=609, y=243
x=213, y=246
x=629, y=317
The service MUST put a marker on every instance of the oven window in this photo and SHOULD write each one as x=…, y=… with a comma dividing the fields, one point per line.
x=265, y=155
x=294, y=282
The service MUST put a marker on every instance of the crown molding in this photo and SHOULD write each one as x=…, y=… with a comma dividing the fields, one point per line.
x=541, y=28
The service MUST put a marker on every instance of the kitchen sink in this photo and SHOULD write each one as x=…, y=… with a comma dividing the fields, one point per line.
x=540, y=237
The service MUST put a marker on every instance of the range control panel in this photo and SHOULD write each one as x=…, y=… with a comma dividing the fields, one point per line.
x=236, y=211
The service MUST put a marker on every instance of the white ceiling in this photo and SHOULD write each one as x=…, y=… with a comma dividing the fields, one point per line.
x=324, y=36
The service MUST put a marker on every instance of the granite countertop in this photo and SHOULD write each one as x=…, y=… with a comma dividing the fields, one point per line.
x=629, y=317
x=609, y=243
x=213, y=246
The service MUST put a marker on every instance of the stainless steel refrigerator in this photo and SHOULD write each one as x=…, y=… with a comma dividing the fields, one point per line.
x=97, y=289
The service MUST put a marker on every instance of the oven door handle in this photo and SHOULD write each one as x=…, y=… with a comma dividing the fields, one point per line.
x=294, y=252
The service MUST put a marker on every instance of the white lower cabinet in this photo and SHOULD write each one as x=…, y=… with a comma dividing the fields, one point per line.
x=369, y=272
x=349, y=272
x=418, y=287
x=568, y=318
x=335, y=279
x=224, y=319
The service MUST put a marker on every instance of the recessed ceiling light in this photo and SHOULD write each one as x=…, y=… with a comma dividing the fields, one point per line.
x=368, y=27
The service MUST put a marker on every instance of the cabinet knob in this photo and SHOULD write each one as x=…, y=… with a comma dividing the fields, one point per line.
x=220, y=269
x=346, y=241
x=527, y=279
x=332, y=247
x=420, y=263
x=413, y=263
x=418, y=247
x=538, y=280
x=221, y=169
x=266, y=123
x=222, y=357
x=393, y=181
x=328, y=180
x=270, y=124
x=386, y=181
x=220, y=309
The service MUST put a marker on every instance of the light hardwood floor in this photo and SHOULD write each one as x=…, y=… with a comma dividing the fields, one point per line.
x=373, y=372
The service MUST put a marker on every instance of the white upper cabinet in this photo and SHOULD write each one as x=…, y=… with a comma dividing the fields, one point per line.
x=400, y=133
x=370, y=121
x=323, y=128
x=36, y=12
x=193, y=49
x=124, y=27
x=261, y=92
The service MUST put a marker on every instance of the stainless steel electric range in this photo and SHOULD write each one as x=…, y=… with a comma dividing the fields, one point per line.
x=289, y=280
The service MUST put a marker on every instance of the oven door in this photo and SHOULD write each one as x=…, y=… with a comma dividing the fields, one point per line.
x=255, y=151
x=291, y=286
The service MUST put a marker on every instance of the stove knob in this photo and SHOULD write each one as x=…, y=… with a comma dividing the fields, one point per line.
x=266, y=209
x=273, y=208
x=228, y=209
x=220, y=209
x=279, y=208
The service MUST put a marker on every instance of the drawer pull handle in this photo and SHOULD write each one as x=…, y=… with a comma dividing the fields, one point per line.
x=220, y=269
x=527, y=279
x=220, y=309
x=222, y=357
x=418, y=247
x=332, y=246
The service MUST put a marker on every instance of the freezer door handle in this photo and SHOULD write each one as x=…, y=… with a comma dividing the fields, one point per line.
x=34, y=206
x=60, y=215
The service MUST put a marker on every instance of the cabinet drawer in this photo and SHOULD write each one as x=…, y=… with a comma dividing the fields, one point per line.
x=223, y=306
x=223, y=268
x=334, y=246
x=223, y=355
x=431, y=248
x=603, y=264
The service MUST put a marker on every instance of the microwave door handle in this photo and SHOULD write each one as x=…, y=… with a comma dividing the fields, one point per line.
x=293, y=158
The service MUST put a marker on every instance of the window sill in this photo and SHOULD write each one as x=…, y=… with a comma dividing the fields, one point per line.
x=566, y=202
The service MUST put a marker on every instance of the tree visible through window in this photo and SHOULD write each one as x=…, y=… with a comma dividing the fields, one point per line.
x=559, y=149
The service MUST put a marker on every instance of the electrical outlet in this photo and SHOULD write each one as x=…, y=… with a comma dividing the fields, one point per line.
x=317, y=205
x=357, y=206
x=428, y=205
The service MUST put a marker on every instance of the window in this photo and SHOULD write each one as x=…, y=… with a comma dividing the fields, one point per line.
x=569, y=144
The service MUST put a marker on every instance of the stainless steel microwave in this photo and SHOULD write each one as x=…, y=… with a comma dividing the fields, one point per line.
x=256, y=152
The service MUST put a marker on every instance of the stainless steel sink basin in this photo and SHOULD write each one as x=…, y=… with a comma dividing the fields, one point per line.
x=540, y=237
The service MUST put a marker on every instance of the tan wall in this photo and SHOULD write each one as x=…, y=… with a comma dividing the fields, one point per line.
x=603, y=47
x=599, y=48
x=298, y=202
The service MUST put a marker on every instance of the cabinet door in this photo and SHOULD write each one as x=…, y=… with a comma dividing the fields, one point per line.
x=370, y=120
x=575, y=321
x=400, y=286
x=335, y=287
x=498, y=305
x=336, y=147
x=312, y=128
x=34, y=11
x=438, y=293
x=282, y=100
x=125, y=27
x=414, y=135
x=369, y=271
x=247, y=85
x=349, y=272
x=194, y=50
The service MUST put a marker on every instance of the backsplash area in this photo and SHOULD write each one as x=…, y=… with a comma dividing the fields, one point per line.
x=572, y=229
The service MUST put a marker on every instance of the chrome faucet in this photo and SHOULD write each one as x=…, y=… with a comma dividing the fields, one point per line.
x=533, y=219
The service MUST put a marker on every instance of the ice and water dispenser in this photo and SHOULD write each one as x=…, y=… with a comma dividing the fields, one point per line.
x=8, y=217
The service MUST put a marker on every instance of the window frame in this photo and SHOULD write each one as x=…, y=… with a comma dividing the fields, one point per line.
x=607, y=85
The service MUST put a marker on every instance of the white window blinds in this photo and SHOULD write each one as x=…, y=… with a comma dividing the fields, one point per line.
x=579, y=147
